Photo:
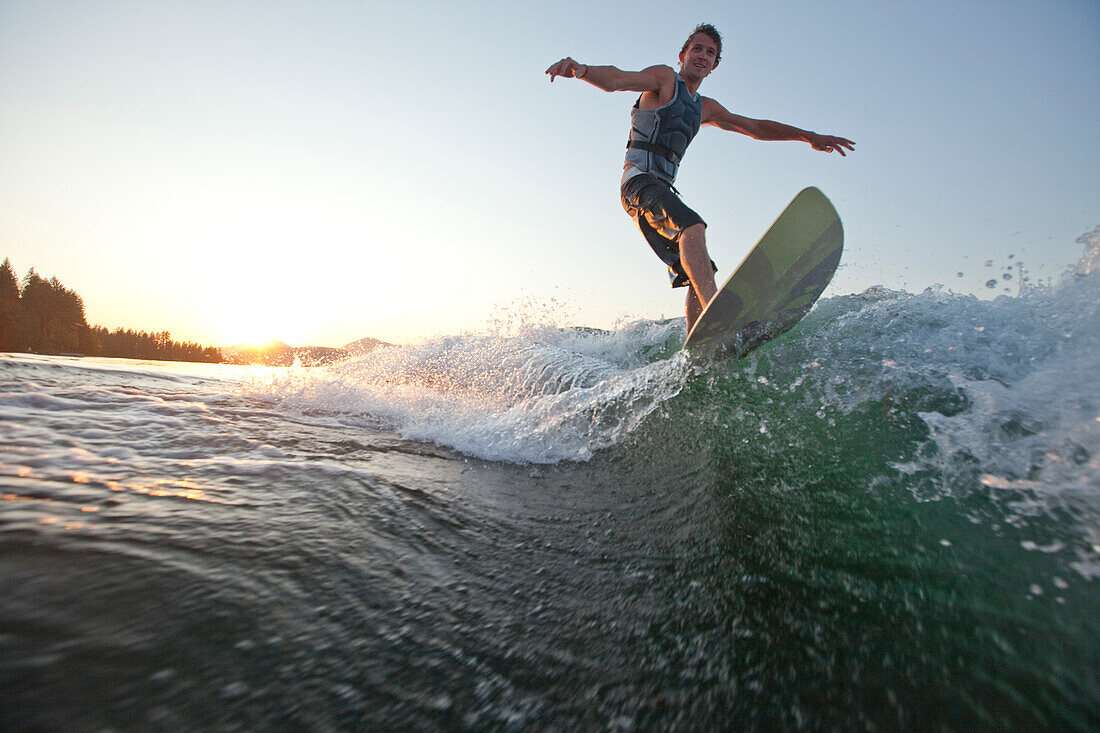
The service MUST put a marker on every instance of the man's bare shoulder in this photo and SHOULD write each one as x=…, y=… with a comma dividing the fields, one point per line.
x=663, y=70
x=657, y=84
x=710, y=103
x=664, y=75
x=714, y=113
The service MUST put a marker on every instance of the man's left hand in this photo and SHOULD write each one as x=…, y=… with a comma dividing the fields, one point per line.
x=829, y=143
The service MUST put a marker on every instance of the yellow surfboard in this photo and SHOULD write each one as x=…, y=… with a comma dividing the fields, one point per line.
x=777, y=283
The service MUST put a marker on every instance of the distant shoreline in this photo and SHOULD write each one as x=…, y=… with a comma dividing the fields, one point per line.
x=45, y=318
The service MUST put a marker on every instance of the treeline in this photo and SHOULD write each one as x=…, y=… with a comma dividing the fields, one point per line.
x=142, y=345
x=45, y=317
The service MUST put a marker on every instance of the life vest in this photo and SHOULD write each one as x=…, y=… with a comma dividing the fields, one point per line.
x=660, y=136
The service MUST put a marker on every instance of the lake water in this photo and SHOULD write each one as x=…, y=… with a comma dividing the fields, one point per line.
x=889, y=518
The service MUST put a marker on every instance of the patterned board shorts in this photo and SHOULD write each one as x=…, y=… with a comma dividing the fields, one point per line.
x=662, y=217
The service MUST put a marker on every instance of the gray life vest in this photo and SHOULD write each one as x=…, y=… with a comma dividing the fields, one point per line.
x=659, y=137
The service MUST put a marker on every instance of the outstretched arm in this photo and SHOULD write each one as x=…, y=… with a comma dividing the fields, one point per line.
x=717, y=115
x=612, y=79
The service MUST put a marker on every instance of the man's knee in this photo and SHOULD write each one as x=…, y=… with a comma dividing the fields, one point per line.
x=694, y=237
x=695, y=232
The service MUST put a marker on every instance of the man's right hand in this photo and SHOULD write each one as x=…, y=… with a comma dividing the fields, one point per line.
x=567, y=68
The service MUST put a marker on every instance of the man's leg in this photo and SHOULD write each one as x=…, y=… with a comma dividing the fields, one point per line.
x=694, y=308
x=696, y=262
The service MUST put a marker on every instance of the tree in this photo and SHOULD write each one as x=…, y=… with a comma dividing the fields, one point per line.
x=54, y=316
x=35, y=300
x=11, y=314
x=45, y=317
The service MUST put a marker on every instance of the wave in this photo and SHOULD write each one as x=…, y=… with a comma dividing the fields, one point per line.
x=1000, y=394
x=541, y=396
x=993, y=405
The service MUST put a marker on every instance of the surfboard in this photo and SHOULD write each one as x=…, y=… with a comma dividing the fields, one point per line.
x=776, y=284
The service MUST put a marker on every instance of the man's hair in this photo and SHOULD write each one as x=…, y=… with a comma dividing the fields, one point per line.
x=710, y=31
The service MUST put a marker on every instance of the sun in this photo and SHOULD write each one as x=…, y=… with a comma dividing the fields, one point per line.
x=247, y=338
x=247, y=334
x=255, y=310
x=253, y=325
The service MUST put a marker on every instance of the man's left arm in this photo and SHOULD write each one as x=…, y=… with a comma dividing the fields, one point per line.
x=717, y=115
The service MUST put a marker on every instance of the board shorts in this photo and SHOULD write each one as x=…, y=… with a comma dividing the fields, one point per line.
x=662, y=217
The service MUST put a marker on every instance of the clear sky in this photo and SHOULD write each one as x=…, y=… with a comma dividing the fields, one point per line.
x=322, y=171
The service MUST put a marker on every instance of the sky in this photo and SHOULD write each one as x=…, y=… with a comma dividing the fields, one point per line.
x=323, y=171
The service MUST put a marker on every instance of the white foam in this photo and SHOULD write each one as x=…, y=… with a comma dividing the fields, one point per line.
x=545, y=395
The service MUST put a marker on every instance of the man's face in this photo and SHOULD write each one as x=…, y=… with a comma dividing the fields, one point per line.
x=700, y=57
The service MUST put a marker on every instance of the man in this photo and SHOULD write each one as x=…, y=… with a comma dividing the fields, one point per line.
x=664, y=120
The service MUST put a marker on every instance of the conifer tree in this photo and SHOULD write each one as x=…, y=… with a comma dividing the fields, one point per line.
x=47, y=318
x=10, y=313
x=35, y=300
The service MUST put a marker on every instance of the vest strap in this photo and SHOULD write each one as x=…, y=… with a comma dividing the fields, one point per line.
x=654, y=148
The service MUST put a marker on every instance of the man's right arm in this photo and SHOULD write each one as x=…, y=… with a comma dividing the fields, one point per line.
x=612, y=79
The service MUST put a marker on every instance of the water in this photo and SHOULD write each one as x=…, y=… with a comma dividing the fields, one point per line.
x=889, y=518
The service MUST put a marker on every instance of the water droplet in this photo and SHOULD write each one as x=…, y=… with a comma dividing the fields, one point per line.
x=958, y=274
x=1006, y=276
x=991, y=283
